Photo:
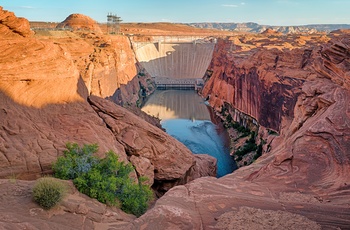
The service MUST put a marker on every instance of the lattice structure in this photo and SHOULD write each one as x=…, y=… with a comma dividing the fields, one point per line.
x=113, y=23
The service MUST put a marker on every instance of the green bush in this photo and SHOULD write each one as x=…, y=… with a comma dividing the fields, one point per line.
x=106, y=180
x=135, y=197
x=75, y=161
x=48, y=192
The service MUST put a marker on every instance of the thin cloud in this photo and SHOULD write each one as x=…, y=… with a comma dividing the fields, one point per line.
x=27, y=7
x=227, y=5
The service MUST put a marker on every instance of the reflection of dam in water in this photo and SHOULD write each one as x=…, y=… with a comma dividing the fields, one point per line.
x=176, y=104
x=185, y=117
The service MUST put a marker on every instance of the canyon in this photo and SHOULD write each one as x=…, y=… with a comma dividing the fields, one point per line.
x=84, y=87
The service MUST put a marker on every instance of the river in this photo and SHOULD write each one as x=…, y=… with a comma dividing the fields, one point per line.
x=184, y=116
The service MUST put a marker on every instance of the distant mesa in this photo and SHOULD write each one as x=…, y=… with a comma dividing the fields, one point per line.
x=341, y=31
x=80, y=22
x=270, y=31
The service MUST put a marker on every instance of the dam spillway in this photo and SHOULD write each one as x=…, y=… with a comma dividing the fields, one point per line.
x=175, y=60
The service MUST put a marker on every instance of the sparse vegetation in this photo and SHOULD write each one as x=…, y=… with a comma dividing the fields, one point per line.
x=248, y=152
x=106, y=180
x=248, y=147
x=48, y=192
x=258, y=152
x=272, y=132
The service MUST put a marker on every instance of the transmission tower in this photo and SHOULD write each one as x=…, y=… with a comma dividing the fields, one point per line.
x=113, y=23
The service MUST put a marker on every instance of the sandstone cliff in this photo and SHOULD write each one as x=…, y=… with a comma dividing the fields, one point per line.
x=104, y=62
x=306, y=171
x=43, y=106
x=44, y=86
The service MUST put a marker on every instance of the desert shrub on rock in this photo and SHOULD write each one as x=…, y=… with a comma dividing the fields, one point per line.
x=106, y=180
x=75, y=161
x=48, y=192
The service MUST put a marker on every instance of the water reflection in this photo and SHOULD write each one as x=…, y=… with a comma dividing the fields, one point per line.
x=176, y=104
x=185, y=117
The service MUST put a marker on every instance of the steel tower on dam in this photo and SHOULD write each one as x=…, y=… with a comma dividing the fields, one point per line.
x=175, y=61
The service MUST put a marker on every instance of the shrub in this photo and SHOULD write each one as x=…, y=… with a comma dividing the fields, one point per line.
x=106, y=180
x=48, y=192
x=75, y=161
x=135, y=197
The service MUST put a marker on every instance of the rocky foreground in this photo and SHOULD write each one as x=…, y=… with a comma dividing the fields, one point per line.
x=51, y=90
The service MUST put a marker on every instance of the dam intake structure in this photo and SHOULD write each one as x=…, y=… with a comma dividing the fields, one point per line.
x=175, y=62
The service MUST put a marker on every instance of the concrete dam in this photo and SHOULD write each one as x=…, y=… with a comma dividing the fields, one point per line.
x=175, y=61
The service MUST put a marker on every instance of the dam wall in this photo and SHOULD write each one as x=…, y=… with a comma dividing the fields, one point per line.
x=175, y=58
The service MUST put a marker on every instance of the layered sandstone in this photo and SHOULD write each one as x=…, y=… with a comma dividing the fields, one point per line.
x=104, y=62
x=11, y=26
x=43, y=106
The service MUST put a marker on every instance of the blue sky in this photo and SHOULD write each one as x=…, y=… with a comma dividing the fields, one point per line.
x=267, y=12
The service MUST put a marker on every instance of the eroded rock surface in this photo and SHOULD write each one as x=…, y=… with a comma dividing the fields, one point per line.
x=11, y=26
x=104, y=62
x=76, y=211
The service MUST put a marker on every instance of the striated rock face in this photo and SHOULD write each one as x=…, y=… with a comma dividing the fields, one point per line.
x=302, y=181
x=256, y=86
x=80, y=22
x=104, y=62
x=43, y=107
x=11, y=26
x=258, y=78
x=315, y=150
x=332, y=60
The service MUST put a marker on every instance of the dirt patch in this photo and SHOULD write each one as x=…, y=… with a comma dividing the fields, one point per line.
x=253, y=218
